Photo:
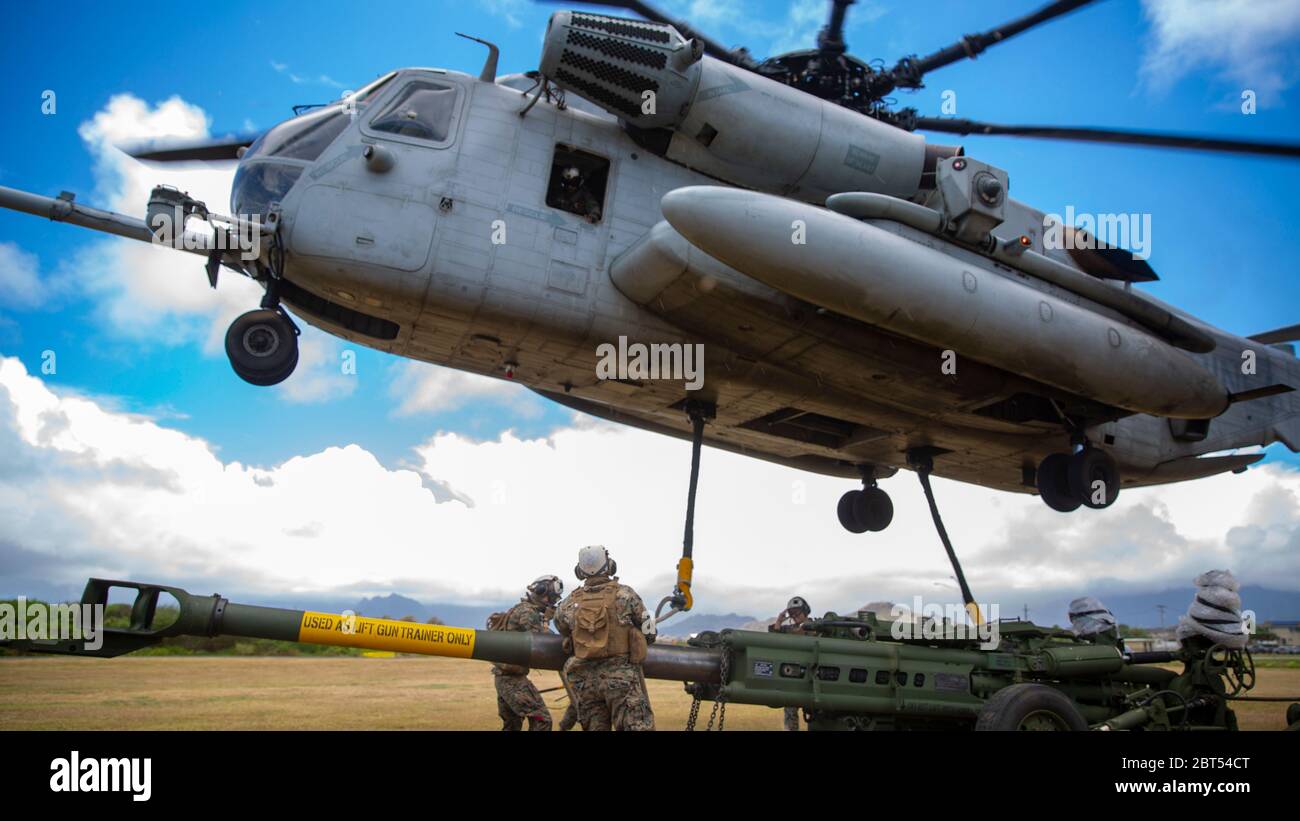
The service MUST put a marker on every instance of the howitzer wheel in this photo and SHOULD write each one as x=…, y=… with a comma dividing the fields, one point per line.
x=1029, y=707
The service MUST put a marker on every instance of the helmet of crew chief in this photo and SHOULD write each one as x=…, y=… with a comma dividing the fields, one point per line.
x=546, y=589
x=798, y=603
x=594, y=560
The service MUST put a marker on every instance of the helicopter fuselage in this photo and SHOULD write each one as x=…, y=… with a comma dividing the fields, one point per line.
x=460, y=243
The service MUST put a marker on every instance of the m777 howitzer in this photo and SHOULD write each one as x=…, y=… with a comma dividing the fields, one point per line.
x=845, y=672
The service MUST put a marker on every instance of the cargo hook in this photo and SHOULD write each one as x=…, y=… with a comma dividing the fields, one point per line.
x=680, y=599
x=922, y=461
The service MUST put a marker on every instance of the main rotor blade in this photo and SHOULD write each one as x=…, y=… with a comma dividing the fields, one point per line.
x=211, y=151
x=1114, y=136
x=1290, y=333
x=831, y=38
x=972, y=44
x=711, y=47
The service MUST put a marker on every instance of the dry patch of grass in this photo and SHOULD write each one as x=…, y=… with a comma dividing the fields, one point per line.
x=356, y=693
x=345, y=693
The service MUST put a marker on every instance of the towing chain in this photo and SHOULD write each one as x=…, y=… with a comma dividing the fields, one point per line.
x=719, y=711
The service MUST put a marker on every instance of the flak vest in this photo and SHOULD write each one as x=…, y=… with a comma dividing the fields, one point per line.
x=597, y=633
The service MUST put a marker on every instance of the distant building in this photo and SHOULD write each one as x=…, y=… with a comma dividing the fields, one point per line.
x=1287, y=632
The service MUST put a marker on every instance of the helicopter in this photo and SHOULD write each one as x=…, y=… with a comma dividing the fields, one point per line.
x=649, y=189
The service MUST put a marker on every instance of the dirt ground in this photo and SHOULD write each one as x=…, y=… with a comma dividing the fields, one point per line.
x=351, y=693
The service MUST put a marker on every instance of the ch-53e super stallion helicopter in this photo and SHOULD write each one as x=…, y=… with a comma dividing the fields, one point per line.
x=829, y=260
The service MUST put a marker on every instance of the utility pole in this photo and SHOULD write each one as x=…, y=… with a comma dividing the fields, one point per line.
x=1161, y=608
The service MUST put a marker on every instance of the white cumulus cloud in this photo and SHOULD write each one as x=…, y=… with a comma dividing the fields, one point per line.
x=20, y=278
x=1248, y=43
x=423, y=388
x=87, y=490
x=157, y=296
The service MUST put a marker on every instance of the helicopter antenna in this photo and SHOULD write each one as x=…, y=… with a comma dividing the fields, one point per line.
x=489, y=72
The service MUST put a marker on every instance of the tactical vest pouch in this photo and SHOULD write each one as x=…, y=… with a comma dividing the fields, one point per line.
x=596, y=631
x=636, y=645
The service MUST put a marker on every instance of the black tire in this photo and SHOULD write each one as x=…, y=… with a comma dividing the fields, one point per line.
x=1029, y=707
x=874, y=509
x=1054, y=483
x=268, y=380
x=848, y=512
x=262, y=346
x=1092, y=465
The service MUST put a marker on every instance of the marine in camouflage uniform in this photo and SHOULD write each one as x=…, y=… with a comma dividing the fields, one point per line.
x=517, y=697
x=608, y=690
x=796, y=612
x=570, y=716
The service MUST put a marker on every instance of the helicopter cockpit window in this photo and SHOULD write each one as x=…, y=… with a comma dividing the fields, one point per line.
x=577, y=183
x=302, y=138
x=258, y=185
x=423, y=110
x=307, y=136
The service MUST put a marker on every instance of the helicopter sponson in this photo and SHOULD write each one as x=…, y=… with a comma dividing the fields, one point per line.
x=930, y=292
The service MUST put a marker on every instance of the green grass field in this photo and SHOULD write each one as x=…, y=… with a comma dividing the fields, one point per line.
x=350, y=693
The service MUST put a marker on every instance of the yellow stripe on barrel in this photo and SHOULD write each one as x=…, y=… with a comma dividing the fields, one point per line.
x=386, y=634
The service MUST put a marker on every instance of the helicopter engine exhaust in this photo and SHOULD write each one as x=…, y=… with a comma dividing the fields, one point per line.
x=722, y=120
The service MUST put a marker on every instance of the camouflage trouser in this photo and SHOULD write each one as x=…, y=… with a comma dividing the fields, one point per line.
x=610, y=694
x=571, y=712
x=517, y=699
x=792, y=718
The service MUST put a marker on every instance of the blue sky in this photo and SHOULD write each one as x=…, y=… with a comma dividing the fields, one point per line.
x=1222, y=225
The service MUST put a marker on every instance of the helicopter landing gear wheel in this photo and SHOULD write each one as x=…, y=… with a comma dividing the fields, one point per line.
x=1093, y=477
x=869, y=509
x=262, y=346
x=1029, y=707
x=847, y=511
x=1089, y=477
x=1053, y=482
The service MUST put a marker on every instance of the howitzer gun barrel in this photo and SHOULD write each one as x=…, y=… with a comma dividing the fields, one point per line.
x=216, y=616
